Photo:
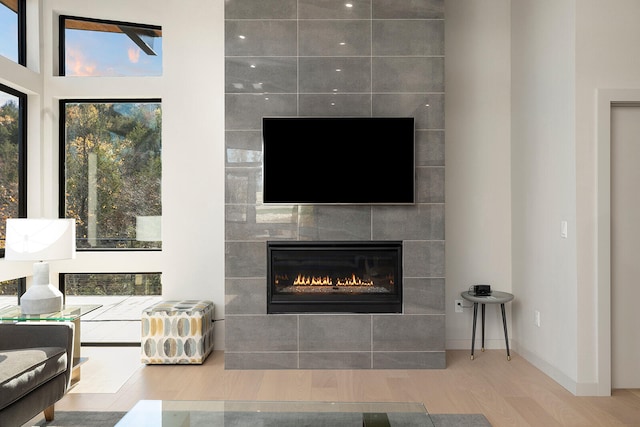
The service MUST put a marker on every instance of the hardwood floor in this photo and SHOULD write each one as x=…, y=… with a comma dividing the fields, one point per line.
x=508, y=393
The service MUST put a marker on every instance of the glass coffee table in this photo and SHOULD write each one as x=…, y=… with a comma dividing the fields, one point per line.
x=185, y=413
x=69, y=313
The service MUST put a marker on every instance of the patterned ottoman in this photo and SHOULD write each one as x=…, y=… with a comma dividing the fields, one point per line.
x=177, y=332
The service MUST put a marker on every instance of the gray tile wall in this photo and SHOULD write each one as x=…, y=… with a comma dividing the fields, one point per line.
x=281, y=59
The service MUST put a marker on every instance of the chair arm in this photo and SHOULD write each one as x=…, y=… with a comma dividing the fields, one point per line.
x=29, y=334
x=46, y=334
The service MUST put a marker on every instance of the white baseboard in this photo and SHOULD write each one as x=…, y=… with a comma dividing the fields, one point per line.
x=576, y=388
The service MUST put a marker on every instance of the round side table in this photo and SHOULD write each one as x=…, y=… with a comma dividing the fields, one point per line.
x=496, y=297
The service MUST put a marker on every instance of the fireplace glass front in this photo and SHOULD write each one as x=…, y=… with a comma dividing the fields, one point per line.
x=351, y=277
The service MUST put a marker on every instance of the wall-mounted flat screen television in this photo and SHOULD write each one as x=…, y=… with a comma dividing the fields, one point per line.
x=338, y=160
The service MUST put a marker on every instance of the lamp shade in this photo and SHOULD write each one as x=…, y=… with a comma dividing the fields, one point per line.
x=29, y=239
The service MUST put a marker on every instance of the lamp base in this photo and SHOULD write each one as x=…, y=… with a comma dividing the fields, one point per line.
x=40, y=299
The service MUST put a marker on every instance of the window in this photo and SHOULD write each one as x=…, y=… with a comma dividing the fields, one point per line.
x=111, y=166
x=13, y=30
x=91, y=47
x=13, y=161
x=10, y=290
x=122, y=296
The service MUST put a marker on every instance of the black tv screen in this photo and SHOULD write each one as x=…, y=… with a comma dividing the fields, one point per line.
x=338, y=160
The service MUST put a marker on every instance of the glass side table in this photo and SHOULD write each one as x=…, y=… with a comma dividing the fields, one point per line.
x=69, y=313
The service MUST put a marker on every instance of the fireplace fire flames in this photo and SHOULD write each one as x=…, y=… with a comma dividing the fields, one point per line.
x=302, y=280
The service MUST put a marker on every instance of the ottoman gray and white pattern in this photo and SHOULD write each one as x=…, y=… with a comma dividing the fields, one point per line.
x=177, y=332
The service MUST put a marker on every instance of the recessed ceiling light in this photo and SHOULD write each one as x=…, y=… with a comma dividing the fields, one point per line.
x=241, y=37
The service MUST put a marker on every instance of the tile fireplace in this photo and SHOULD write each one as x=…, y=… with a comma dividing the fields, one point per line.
x=286, y=68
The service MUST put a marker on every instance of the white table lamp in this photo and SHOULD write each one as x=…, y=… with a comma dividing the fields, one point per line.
x=40, y=240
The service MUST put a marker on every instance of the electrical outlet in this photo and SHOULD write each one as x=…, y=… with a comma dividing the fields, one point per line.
x=459, y=306
x=536, y=318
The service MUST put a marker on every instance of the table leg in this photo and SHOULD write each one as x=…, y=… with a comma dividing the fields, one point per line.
x=473, y=333
x=506, y=336
x=75, y=370
x=482, y=349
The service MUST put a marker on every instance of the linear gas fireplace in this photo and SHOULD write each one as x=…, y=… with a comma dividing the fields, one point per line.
x=330, y=277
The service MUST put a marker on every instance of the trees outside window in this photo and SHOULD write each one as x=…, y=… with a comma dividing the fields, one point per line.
x=12, y=158
x=112, y=172
x=10, y=289
x=122, y=296
x=105, y=284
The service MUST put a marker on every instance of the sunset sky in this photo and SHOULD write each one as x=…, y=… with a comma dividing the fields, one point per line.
x=89, y=53
x=8, y=40
x=8, y=33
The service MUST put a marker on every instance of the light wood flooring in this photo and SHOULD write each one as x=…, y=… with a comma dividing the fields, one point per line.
x=508, y=393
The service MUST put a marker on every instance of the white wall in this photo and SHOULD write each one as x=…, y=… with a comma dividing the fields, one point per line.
x=606, y=58
x=477, y=155
x=543, y=185
x=193, y=154
x=562, y=53
x=571, y=51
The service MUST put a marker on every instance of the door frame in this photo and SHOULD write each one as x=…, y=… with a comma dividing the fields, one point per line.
x=605, y=100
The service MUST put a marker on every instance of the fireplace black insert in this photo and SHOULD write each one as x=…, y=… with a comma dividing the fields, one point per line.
x=334, y=276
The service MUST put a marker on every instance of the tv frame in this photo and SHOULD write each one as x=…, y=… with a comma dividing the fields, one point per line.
x=406, y=202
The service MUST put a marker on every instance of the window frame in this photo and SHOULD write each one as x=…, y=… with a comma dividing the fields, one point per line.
x=62, y=182
x=62, y=38
x=22, y=32
x=22, y=151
